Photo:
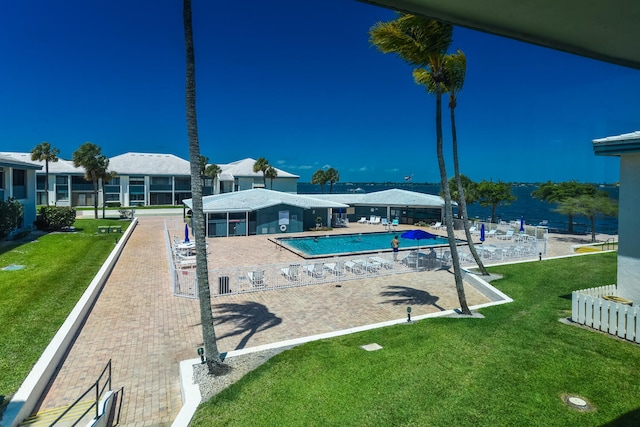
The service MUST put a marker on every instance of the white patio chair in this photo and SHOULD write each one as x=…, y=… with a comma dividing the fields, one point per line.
x=256, y=277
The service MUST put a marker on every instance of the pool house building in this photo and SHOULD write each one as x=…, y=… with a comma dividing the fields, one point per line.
x=262, y=211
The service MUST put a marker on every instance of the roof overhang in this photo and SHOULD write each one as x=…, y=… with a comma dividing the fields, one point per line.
x=603, y=30
x=617, y=145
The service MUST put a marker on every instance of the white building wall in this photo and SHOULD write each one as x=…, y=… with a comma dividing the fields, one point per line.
x=629, y=228
x=124, y=188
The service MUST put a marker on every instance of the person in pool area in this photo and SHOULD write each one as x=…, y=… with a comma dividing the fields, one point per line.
x=395, y=243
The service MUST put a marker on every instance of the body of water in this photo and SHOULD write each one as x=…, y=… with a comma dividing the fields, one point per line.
x=532, y=210
x=354, y=243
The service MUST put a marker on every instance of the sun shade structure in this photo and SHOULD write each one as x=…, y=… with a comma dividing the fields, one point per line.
x=607, y=31
x=418, y=235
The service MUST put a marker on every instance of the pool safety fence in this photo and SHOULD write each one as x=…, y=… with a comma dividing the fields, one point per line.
x=244, y=279
x=590, y=307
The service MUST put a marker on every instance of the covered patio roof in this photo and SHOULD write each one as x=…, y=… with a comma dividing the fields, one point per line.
x=607, y=31
x=260, y=198
x=392, y=197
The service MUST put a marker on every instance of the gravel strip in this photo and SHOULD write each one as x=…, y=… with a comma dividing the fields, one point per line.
x=210, y=385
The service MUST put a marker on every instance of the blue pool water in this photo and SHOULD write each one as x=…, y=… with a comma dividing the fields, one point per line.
x=350, y=243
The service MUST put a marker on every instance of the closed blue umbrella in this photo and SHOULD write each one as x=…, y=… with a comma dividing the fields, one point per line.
x=482, y=233
x=522, y=224
x=186, y=233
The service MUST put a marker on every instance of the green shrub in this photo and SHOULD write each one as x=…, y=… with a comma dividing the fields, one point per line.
x=56, y=217
x=11, y=215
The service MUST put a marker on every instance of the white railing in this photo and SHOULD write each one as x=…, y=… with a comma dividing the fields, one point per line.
x=589, y=308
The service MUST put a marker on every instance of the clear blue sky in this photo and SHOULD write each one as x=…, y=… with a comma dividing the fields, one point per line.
x=298, y=83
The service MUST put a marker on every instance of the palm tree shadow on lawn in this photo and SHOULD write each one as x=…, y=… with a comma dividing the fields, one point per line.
x=409, y=296
x=249, y=318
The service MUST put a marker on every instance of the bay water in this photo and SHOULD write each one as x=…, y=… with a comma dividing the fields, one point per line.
x=532, y=210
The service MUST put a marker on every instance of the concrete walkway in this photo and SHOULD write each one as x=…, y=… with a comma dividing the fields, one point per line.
x=146, y=331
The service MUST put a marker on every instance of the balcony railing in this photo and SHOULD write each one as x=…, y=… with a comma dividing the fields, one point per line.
x=160, y=187
x=82, y=187
x=19, y=192
x=112, y=189
x=136, y=189
x=183, y=187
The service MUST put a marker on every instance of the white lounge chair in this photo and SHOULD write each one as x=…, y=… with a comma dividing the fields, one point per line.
x=362, y=220
x=491, y=233
x=315, y=270
x=436, y=225
x=354, y=267
x=336, y=268
x=186, y=261
x=292, y=273
x=507, y=236
x=385, y=223
x=383, y=262
x=256, y=277
x=370, y=266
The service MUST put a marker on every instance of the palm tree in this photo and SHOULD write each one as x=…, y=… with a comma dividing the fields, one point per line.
x=455, y=66
x=261, y=165
x=214, y=362
x=271, y=173
x=423, y=42
x=90, y=157
x=45, y=152
x=320, y=178
x=332, y=176
x=212, y=172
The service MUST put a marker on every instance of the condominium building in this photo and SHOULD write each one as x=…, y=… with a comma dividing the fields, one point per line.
x=145, y=179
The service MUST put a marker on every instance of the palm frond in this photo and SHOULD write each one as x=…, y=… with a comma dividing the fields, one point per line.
x=415, y=39
x=455, y=66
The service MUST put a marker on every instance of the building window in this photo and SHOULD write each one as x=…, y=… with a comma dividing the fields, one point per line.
x=136, y=180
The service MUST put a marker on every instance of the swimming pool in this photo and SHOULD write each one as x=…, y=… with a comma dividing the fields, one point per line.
x=341, y=244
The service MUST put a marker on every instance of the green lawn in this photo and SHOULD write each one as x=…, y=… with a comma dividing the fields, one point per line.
x=36, y=300
x=510, y=369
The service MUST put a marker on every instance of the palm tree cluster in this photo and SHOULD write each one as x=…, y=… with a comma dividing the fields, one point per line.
x=322, y=176
x=96, y=166
x=268, y=171
x=423, y=43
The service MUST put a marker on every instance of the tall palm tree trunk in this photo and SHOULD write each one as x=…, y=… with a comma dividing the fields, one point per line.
x=212, y=354
x=448, y=210
x=463, y=202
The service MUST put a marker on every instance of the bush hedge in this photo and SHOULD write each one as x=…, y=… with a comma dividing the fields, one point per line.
x=55, y=217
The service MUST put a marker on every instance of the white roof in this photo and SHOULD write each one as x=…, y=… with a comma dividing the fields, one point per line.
x=392, y=197
x=260, y=198
x=10, y=161
x=61, y=166
x=149, y=164
x=624, y=137
x=244, y=168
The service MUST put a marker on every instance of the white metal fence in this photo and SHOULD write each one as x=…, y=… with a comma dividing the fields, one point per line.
x=254, y=278
x=589, y=308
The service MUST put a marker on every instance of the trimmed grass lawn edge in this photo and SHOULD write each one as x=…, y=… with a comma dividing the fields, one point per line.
x=190, y=391
x=25, y=399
